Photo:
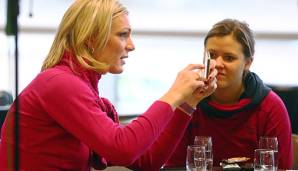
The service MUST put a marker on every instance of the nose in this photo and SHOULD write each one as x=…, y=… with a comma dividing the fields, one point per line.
x=219, y=61
x=130, y=45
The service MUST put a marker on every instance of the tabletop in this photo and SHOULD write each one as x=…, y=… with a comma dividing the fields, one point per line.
x=213, y=169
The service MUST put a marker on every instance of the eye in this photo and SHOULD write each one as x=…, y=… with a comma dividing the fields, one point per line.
x=228, y=58
x=124, y=34
x=212, y=55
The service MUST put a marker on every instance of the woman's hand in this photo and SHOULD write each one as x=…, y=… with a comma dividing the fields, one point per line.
x=208, y=88
x=188, y=81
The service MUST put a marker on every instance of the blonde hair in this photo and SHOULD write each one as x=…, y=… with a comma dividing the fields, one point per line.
x=85, y=20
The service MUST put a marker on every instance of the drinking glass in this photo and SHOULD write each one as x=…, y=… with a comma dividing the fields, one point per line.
x=207, y=142
x=264, y=160
x=196, y=158
x=271, y=143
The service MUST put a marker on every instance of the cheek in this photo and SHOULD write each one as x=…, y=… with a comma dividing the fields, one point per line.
x=117, y=51
x=239, y=71
x=112, y=54
x=234, y=71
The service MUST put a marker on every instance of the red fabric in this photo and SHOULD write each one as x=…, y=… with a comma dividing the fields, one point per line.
x=238, y=135
x=63, y=122
x=242, y=102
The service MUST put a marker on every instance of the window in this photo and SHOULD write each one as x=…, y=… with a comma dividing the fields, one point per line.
x=168, y=35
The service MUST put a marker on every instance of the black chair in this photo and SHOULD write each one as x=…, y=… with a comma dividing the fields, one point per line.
x=289, y=95
x=6, y=100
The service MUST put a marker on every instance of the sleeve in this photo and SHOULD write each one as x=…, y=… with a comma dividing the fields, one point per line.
x=164, y=146
x=278, y=124
x=178, y=157
x=73, y=105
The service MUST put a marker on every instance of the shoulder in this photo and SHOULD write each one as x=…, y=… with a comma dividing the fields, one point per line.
x=59, y=82
x=60, y=77
x=272, y=103
x=272, y=99
x=57, y=75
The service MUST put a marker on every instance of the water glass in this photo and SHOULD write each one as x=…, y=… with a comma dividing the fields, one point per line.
x=207, y=142
x=196, y=158
x=264, y=160
x=271, y=143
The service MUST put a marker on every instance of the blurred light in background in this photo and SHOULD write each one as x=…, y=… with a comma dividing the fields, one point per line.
x=168, y=35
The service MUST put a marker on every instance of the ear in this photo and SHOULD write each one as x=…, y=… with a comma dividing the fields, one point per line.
x=90, y=43
x=248, y=62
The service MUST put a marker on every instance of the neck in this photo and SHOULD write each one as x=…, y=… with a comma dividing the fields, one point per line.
x=227, y=95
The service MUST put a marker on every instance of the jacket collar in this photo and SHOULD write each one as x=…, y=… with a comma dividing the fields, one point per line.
x=255, y=91
x=91, y=77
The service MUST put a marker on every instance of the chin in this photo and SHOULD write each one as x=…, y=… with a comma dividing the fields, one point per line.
x=221, y=84
x=116, y=70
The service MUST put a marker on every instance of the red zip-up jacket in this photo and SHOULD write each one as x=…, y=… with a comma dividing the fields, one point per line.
x=65, y=125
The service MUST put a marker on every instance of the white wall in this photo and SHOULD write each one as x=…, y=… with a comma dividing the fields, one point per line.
x=168, y=34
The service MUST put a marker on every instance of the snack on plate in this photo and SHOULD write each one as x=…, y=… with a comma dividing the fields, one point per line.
x=236, y=164
x=237, y=159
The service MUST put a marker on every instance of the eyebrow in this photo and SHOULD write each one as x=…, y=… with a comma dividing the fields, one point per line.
x=228, y=53
x=127, y=28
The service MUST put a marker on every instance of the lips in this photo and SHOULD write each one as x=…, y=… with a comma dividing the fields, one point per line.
x=123, y=57
x=220, y=75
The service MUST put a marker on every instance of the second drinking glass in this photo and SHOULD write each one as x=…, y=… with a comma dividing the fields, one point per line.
x=271, y=143
x=207, y=142
x=264, y=160
x=196, y=158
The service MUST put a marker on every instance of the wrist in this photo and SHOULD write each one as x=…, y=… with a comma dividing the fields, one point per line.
x=185, y=107
x=171, y=99
x=193, y=101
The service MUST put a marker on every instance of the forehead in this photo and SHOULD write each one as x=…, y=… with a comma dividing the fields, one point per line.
x=121, y=22
x=226, y=43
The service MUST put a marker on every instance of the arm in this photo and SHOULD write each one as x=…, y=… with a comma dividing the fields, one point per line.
x=278, y=124
x=163, y=147
x=76, y=110
x=178, y=157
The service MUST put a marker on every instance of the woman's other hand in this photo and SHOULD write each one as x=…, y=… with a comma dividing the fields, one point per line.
x=208, y=88
x=186, y=84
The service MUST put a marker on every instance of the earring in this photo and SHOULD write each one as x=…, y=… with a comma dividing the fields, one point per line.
x=91, y=50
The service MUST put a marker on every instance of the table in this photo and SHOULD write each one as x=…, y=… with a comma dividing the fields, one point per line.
x=214, y=169
x=183, y=169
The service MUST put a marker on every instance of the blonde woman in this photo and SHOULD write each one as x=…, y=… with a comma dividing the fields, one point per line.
x=66, y=125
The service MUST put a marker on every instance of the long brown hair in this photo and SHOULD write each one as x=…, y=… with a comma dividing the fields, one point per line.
x=239, y=30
